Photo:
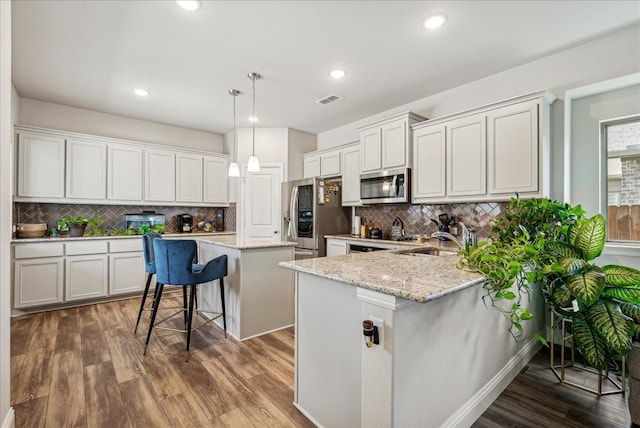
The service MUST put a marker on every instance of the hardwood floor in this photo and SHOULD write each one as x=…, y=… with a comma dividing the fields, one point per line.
x=83, y=367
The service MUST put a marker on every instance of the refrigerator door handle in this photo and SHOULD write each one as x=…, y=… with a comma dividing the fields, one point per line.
x=293, y=214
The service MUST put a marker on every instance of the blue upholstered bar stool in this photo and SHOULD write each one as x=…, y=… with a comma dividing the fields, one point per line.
x=150, y=267
x=175, y=266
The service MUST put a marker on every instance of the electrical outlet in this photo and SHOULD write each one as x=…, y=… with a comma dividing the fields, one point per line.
x=378, y=322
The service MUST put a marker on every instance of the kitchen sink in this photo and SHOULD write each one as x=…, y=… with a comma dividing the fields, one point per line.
x=426, y=252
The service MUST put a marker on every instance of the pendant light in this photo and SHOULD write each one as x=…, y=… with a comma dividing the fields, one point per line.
x=253, y=164
x=234, y=170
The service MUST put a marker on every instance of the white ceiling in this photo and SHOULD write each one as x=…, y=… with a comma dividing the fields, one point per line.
x=91, y=54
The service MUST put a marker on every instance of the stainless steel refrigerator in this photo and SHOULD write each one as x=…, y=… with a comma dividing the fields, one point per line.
x=312, y=209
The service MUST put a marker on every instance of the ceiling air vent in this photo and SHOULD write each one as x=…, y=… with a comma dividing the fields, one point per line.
x=330, y=99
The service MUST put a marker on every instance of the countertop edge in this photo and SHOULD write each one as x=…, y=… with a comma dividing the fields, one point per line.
x=94, y=238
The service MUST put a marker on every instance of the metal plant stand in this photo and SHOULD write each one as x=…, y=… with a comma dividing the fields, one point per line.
x=561, y=323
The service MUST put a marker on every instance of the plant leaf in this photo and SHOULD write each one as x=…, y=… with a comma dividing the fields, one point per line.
x=587, y=285
x=573, y=231
x=606, y=318
x=560, y=249
x=631, y=310
x=621, y=275
x=592, y=346
x=573, y=266
x=561, y=297
x=625, y=294
x=591, y=236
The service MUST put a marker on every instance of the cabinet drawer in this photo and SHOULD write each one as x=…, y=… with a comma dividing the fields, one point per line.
x=33, y=250
x=90, y=247
x=125, y=245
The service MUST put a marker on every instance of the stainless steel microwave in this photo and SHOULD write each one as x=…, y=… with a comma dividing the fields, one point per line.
x=386, y=187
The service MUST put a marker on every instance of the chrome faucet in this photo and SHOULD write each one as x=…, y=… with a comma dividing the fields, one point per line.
x=469, y=237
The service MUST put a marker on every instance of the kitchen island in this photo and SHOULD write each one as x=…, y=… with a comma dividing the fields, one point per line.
x=258, y=294
x=443, y=355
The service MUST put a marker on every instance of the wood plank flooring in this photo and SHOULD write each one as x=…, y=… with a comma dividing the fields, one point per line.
x=83, y=367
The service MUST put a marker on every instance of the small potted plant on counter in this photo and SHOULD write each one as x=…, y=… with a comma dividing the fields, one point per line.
x=548, y=246
x=78, y=224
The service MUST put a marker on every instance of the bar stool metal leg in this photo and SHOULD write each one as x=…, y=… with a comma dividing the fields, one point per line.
x=144, y=299
x=224, y=314
x=156, y=304
x=191, y=299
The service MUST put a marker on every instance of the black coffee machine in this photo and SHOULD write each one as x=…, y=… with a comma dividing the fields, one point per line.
x=185, y=223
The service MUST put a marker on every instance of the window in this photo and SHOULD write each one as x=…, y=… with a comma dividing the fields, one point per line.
x=621, y=139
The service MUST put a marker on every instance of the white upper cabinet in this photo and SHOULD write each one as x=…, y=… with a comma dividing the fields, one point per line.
x=124, y=172
x=159, y=175
x=394, y=144
x=41, y=160
x=386, y=144
x=189, y=177
x=429, y=163
x=326, y=163
x=467, y=156
x=216, y=180
x=486, y=154
x=370, y=150
x=513, y=149
x=351, y=175
x=86, y=169
x=311, y=165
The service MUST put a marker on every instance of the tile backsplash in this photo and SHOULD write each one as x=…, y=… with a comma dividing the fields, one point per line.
x=114, y=214
x=416, y=218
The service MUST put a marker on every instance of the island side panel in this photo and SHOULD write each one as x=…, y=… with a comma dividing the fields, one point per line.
x=267, y=302
x=453, y=357
x=209, y=293
x=328, y=351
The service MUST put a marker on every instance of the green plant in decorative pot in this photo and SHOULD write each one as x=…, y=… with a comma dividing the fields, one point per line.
x=78, y=224
x=551, y=245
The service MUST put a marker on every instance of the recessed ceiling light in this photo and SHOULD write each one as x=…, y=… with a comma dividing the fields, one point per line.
x=141, y=92
x=189, y=5
x=338, y=74
x=434, y=21
x=253, y=119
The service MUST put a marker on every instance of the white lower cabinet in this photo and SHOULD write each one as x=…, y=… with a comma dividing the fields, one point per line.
x=85, y=265
x=336, y=247
x=85, y=277
x=38, y=281
x=54, y=273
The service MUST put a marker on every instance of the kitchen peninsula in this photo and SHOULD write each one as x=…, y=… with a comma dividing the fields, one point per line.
x=443, y=355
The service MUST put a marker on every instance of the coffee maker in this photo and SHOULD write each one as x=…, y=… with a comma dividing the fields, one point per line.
x=185, y=223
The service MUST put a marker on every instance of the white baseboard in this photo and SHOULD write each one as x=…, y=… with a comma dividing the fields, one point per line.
x=467, y=414
x=9, y=419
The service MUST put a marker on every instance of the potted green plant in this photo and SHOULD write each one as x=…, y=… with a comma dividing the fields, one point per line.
x=78, y=224
x=551, y=245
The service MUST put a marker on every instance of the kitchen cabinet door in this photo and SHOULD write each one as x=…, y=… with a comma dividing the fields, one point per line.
x=124, y=172
x=126, y=272
x=330, y=165
x=429, y=160
x=467, y=156
x=513, y=148
x=188, y=177
x=85, y=276
x=311, y=166
x=351, y=176
x=394, y=144
x=38, y=281
x=370, y=149
x=86, y=169
x=216, y=180
x=336, y=247
x=41, y=161
x=159, y=175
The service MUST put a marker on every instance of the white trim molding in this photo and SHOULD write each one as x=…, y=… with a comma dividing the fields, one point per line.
x=9, y=419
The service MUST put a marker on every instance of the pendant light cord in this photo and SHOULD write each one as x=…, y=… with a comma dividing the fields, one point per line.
x=253, y=148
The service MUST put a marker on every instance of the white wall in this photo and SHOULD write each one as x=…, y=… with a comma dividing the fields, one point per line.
x=608, y=57
x=57, y=116
x=6, y=167
x=299, y=143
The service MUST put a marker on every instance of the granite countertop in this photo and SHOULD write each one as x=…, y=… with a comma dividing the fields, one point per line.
x=427, y=240
x=421, y=279
x=66, y=238
x=240, y=243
